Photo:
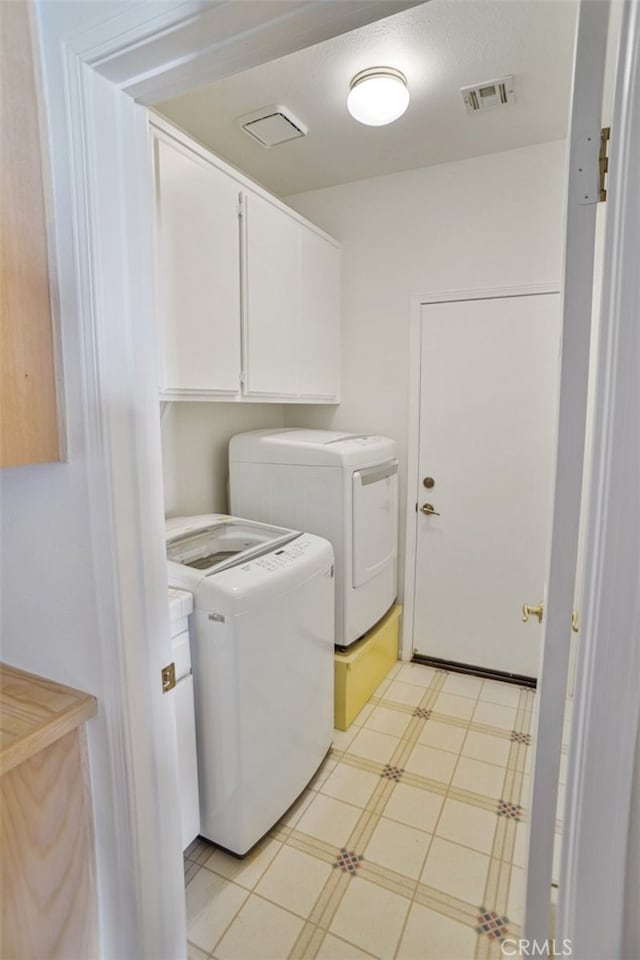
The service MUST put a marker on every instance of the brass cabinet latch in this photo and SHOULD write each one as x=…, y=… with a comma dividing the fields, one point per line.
x=168, y=677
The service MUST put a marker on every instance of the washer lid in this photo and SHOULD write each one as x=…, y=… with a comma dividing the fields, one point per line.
x=214, y=542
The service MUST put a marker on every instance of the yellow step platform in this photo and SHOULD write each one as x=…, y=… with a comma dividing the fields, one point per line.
x=360, y=669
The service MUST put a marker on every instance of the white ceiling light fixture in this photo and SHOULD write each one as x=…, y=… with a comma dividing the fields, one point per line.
x=378, y=95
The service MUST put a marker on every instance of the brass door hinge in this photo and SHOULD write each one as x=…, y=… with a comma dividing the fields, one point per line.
x=605, y=136
x=168, y=677
x=529, y=611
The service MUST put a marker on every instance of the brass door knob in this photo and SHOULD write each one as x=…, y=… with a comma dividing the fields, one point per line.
x=528, y=611
x=429, y=510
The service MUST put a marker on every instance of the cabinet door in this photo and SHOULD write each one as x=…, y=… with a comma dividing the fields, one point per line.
x=319, y=357
x=199, y=273
x=28, y=417
x=272, y=299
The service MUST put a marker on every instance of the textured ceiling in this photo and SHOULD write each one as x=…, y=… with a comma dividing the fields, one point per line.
x=440, y=46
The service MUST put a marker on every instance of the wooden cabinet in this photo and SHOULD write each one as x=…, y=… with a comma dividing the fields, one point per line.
x=249, y=291
x=47, y=868
x=28, y=415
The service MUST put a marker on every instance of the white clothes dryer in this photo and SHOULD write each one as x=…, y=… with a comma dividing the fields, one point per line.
x=341, y=486
x=262, y=642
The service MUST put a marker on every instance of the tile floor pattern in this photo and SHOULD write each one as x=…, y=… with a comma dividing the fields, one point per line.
x=409, y=843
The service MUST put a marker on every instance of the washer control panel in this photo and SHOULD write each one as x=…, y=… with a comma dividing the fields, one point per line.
x=281, y=558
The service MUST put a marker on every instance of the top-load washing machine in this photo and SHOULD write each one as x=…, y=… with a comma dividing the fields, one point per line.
x=262, y=634
x=341, y=486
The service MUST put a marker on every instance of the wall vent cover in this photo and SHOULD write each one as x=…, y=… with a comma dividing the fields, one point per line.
x=489, y=94
x=272, y=125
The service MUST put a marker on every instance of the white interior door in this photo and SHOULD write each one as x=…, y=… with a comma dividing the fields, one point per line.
x=488, y=398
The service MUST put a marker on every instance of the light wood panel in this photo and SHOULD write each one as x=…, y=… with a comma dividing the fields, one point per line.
x=35, y=712
x=47, y=866
x=28, y=416
x=47, y=859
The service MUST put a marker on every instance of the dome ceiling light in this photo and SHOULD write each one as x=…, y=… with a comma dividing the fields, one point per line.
x=378, y=95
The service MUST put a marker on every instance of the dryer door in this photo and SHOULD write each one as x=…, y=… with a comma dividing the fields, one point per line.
x=375, y=520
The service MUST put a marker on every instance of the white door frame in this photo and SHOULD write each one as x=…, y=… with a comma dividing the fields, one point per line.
x=607, y=700
x=413, y=439
x=102, y=56
x=582, y=196
x=152, y=51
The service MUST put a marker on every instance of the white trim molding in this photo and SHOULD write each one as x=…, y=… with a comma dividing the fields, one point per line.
x=607, y=708
x=193, y=43
x=113, y=244
x=413, y=431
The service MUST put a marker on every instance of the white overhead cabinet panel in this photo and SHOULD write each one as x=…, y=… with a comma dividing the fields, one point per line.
x=199, y=273
x=248, y=290
x=272, y=299
x=292, y=322
x=319, y=335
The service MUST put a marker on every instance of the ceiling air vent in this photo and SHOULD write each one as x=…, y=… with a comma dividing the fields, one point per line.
x=489, y=94
x=272, y=125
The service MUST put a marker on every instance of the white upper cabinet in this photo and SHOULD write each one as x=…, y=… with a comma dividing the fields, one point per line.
x=272, y=292
x=249, y=291
x=319, y=333
x=198, y=273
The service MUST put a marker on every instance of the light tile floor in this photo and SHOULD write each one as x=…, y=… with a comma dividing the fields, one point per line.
x=410, y=842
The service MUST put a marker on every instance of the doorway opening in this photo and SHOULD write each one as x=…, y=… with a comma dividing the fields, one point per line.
x=206, y=114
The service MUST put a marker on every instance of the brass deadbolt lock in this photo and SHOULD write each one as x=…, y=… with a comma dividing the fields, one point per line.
x=429, y=482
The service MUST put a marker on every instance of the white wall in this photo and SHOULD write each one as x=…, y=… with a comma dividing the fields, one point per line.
x=49, y=619
x=195, y=440
x=491, y=221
